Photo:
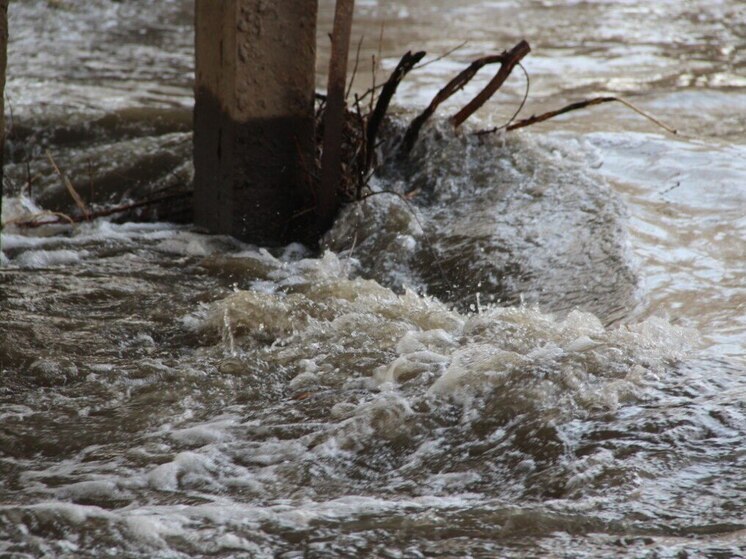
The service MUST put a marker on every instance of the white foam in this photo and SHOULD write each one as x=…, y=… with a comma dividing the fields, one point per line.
x=54, y=511
x=18, y=208
x=151, y=529
x=199, y=435
x=87, y=490
x=215, y=431
x=50, y=258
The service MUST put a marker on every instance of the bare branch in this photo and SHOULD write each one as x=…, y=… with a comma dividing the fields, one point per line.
x=512, y=57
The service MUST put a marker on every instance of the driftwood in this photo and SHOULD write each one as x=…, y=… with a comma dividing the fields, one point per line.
x=507, y=60
x=61, y=218
x=535, y=119
x=406, y=64
x=512, y=57
x=453, y=86
x=70, y=188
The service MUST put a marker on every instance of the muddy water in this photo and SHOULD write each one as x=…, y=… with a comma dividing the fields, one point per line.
x=541, y=355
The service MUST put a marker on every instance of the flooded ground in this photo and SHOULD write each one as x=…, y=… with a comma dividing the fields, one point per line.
x=542, y=355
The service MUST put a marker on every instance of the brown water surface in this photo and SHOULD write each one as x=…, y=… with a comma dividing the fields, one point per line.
x=542, y=355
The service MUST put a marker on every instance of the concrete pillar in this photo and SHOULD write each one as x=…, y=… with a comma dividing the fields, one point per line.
x=253, y=117
x=3, y=65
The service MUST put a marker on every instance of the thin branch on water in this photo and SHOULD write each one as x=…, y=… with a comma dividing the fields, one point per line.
x=407, y=62
x=31, y=223
x=511, y=58
x=584, y=104
x=442, y=56
x=361, y=150
x=70, y=188
x=375, y=63
x=516, y=113
x=354, y=69
x=375, y=87
x=452, y=87
x=379, y=53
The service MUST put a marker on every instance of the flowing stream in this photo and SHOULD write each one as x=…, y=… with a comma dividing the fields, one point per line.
x=542, y=354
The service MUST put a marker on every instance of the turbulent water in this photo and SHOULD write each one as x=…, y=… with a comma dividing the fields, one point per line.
x=541, y=354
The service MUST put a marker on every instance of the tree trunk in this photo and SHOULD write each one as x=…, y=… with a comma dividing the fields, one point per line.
x=327, y=200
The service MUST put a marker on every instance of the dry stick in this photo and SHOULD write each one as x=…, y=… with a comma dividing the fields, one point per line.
x=373, y=87
x=406, y=63
x=331, y=157
x=583, y=104
x=354, y=69
x=321, y=106
x=377, y=58
x=442, y=56
x=375, y=63
x=453, y=86
x=29, y=184
x=30, y=222
x=28, y=179
x=380, y=45
x=62, y=218
x=362, y=148
x=91, y=187
x=523, y=101
x=70, y=188
x=517, y=111
x=512, y=57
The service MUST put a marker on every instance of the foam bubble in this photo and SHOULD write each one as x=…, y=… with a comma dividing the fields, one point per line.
x=97, y=490
x=49, y=258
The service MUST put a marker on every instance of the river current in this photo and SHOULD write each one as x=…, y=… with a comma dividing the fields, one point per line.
x=541, y=354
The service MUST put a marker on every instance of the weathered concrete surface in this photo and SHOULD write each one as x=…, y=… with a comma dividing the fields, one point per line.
x=253, y=120
x=3, y=65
